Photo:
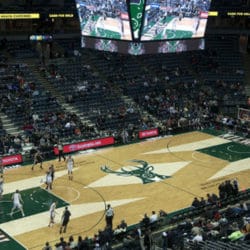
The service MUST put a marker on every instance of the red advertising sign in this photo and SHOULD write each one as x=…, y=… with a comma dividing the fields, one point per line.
x=204, y=15
x=86, y=145
x=148, y=133
x=124, y=16
x=12, y=159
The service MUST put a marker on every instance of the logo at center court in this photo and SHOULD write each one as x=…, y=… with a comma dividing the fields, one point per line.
x=144, y=172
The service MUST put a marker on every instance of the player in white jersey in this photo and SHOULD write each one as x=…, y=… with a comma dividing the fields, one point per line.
x=48, y=181
x=17, y=200
x=70, y=165
x=52, y=214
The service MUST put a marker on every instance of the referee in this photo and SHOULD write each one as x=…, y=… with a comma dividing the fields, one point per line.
x=109, y=216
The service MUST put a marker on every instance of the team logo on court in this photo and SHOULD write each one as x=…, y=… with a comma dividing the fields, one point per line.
x=144, y=172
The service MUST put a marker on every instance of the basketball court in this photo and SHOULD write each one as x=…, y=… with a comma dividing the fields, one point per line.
x=159, y=173
x=175, y=28
x=108, y=28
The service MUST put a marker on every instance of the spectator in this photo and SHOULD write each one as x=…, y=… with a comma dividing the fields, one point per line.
x=47, y=246
x=153, y=218
x=195, y=203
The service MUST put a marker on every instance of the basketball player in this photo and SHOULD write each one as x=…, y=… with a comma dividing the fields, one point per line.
x=60, y=151
x=174, y=23
x=37, y=159
x=52, y=171
x=180, y=15
x=70, y=165
x=196, y=25
x=49, y=180
x=120, y=25
x=65, y=220
x=52, y=214
x=17, y=200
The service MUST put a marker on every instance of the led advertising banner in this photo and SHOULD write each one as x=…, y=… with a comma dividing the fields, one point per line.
x=148, y=133
x=140, y=48
x=12, y=159
x=69, y=148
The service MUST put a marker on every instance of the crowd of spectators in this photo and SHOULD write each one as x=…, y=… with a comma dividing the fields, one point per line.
x=213, y=223
x=162, y=94
x=162, y=97
x=171, y=103
x=219, y=220
x=35, y=112
x=226, y=189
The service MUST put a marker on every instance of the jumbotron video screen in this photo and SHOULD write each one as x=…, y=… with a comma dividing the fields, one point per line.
x=107, y=19
x=174, y=19
x=143, y=20
x=143, y=26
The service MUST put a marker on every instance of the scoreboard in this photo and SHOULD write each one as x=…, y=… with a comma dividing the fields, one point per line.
x=141, y=20
x=129, y=26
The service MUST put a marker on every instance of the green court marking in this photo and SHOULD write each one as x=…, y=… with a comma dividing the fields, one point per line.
x=94, y=18
x=229, y=151
x=36, y=200
x=7, y=242
x=106, y=33
x=179, y=34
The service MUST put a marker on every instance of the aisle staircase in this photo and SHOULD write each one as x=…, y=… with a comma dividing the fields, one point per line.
x=8, y=125
x=49, y=87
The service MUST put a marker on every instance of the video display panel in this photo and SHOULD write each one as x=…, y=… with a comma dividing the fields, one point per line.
x=140, y=48
x=104, y=19
x=174, y=19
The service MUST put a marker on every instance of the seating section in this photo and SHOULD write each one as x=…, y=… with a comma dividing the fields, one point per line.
x=22, y=95
x=222, y=71
x=71, y=46
x=2, y=131
x=111, y=94
x=212, y=222
x=22, y=49
x=184, y=88
x=37, y=114
x=93, y=95
x=120, y=94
